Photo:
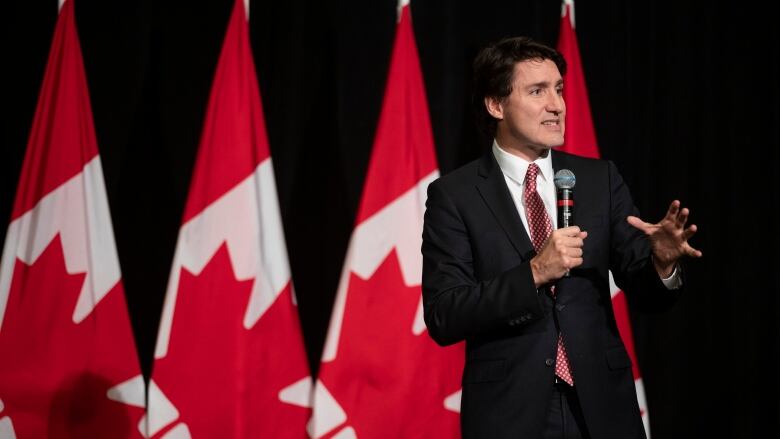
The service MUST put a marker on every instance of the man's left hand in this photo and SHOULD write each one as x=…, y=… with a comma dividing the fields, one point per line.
x=669, y=238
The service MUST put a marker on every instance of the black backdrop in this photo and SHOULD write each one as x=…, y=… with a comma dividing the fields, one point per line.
x=685, y=101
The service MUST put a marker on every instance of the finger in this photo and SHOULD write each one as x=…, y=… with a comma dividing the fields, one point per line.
x=574, y=252
x=569, y=231
x=567, y=240
x=692, y=252
x=571, y=242
x=673, y=209
x=682, y=217
x=689, y=232
x=572, y=262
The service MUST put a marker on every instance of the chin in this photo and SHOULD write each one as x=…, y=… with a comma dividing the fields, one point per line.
x=556, y=143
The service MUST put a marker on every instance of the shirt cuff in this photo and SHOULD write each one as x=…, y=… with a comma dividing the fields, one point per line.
x=674, y=281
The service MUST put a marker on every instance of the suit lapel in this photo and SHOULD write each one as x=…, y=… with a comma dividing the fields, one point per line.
x=494, y=191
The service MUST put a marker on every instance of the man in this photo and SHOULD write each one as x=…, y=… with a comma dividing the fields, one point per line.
x=543, y=355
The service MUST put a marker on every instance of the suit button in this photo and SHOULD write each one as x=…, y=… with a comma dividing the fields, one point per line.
x=523, y=318
x=549, y=362
x=511, y=323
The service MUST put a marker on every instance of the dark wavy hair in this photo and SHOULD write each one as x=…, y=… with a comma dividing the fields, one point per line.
x=493, y=70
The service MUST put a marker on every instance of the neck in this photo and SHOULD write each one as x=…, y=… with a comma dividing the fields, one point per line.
x=529, y=153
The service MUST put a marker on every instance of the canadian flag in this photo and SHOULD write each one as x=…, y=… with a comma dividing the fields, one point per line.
x=381, y=375
x=68, y=362
x=581, y=140
x=230, y=360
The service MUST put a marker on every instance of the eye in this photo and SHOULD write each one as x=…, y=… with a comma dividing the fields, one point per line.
x=559, y=90
x=536, y=91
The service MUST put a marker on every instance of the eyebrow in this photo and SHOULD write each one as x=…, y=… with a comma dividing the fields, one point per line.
x=544, y=84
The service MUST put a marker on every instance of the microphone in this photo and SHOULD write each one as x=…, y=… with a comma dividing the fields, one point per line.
x=564, y=184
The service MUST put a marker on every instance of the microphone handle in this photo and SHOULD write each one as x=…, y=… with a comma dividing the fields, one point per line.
x=565, y=208
x=565, y=211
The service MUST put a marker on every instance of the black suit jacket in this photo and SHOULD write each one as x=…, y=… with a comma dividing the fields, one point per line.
x=478, y=287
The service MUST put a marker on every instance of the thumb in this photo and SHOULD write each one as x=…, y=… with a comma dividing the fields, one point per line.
x=638, y=223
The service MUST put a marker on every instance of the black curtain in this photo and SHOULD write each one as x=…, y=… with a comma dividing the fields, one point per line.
x=685, y=101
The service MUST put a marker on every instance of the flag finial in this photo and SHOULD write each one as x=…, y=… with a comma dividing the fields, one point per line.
x=570, y=4
x=401, y=4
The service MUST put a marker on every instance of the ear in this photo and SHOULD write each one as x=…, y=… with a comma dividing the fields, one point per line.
x=494, y=107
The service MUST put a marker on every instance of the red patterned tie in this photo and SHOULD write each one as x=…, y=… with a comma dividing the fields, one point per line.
x=541, y=228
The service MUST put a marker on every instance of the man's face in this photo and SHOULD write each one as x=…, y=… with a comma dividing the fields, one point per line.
x=532, y=117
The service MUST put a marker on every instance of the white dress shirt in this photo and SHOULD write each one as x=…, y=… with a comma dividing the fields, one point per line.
x=514, y=169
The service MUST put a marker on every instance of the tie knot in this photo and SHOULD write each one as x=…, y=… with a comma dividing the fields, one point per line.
x=530, y=176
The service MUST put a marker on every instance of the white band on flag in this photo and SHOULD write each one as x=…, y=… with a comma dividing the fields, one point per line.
x=255, y=242
x=396, y=226
x=78, y=212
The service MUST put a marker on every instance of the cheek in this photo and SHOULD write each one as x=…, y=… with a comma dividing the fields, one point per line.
x=528, y=127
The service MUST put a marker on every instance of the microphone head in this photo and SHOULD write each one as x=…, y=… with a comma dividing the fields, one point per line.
x=564, y=179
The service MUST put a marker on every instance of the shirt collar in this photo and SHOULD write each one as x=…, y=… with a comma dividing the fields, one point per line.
x=516, y=167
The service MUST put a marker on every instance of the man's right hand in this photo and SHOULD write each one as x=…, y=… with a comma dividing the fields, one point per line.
x=561, y=252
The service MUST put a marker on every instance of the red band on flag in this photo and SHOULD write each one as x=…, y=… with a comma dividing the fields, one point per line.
x=378, y=352
x=230, y=359
x=69, y=363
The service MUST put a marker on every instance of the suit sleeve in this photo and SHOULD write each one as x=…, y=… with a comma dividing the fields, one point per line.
x=457, y=305
x=630, y=253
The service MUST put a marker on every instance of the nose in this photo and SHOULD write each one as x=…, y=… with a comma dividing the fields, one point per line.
x=555, y=104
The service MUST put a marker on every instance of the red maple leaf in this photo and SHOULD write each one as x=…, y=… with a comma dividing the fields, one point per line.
x=390, y=382
x=225, y=379
x=54, y=373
